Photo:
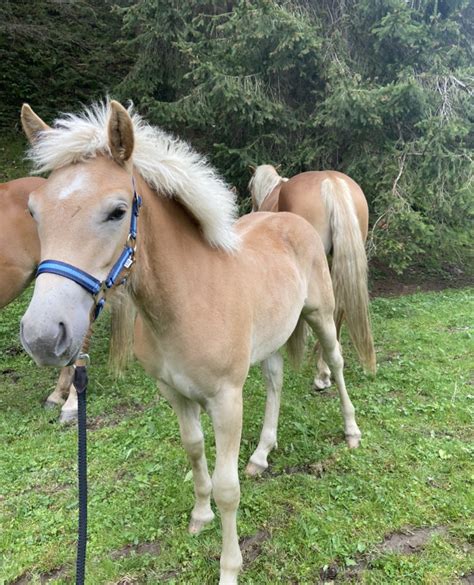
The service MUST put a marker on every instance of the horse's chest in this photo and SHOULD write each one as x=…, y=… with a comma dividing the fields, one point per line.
x=181, y=381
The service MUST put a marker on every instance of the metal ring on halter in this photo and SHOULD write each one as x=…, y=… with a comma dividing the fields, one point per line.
x=132, y=242
x=85, y=357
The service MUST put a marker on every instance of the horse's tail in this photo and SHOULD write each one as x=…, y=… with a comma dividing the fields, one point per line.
x=349, y=269
x=123, y=315
x=296, y=344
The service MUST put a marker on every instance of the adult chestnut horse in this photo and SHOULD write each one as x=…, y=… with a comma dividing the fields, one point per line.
x=19, y=257
x=336, y=207
x=214, y=295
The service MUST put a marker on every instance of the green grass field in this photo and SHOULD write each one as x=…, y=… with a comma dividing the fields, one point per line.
x=320, y=513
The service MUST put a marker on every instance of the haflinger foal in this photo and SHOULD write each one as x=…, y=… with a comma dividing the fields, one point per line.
x=214, y=295
x=335, y=205
x=19, y=257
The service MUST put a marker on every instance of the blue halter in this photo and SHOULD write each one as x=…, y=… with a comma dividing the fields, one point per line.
x=91, y=284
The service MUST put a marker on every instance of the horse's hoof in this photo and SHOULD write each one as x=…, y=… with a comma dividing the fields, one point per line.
x=321, y=384
x=68, y=417
x=195, y=526
x=353, y=441
x=49, y=404
x=254, y=469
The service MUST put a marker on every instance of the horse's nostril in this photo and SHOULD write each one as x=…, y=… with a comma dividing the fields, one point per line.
x=62, y=343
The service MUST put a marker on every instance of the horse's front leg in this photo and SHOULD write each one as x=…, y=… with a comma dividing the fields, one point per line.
x=226, y=413
x=188, y=413
x=272, y=369
x=56, y=398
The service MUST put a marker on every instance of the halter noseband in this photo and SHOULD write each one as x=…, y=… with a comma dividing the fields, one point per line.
x=90, y=283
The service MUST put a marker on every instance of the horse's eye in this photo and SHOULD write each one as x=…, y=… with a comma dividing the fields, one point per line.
x=116, y=214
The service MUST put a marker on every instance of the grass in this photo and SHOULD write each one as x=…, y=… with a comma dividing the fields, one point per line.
x=321, y=508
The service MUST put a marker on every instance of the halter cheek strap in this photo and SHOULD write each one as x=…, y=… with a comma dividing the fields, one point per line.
x=121, y=268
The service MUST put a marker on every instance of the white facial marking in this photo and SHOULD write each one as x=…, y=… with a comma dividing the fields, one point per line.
x=78, y=184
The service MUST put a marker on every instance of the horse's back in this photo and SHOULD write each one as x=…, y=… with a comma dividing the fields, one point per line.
x=287, y=233
x=303, y=195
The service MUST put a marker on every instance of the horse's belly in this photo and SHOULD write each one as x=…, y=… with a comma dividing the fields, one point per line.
x=272, y=334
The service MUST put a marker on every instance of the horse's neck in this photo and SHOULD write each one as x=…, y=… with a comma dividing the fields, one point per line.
x=270, y=203
x=170, y=250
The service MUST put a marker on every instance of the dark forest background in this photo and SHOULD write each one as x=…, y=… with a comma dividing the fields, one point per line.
x=379, y=89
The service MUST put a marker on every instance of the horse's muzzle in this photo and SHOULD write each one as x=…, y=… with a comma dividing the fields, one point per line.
x=51, y=346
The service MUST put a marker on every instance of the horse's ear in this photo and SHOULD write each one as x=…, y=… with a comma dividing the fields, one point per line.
x=120, y=130
x=32, y=124
x=252, y=168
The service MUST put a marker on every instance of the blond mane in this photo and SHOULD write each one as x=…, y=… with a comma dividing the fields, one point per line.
x=262, y=183
x=170, y=166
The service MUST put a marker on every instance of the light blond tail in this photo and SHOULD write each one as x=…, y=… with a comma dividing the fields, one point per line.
x=349, y=269
x=296, y=344
x=123, y=315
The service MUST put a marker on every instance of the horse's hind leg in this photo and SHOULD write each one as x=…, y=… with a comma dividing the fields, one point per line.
x=323, y=325
x=188, y=413
x=272, y=369
x=322, y=379
x=69, y=409
x=56, y=398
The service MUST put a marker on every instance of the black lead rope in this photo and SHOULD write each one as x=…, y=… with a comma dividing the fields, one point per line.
x=80, y=383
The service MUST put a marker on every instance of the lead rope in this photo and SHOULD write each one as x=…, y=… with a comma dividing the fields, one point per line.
x=80, y=383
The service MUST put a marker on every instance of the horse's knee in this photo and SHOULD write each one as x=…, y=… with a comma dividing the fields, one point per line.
x=194, y=447
x=226, y=492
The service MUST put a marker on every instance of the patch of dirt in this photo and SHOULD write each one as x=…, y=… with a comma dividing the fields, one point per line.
x=14, y=350
x=14, y=376
x=126, y=581
x=325, y=394
x=168, y=575
x=410, y=541
x=26, y=578
x=468, y=579
x=22, y=580
x=405, y=542
x=55, y=574
x=115, y=416
x=329, y=573
x=251, y=546
x=48, y=488
x=388, y=283
x=144, y=548
x=316, y=468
